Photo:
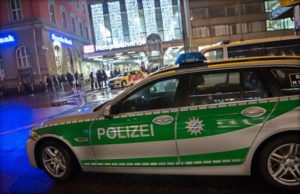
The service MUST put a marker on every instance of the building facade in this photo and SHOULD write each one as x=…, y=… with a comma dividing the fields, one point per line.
x=40, y=38
x=130, y=32
x=234, y=20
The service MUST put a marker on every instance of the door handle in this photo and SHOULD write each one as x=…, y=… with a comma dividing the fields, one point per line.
x=255, y=111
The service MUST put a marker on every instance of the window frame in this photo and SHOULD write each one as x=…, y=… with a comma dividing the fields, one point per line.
x=63, y=17
x=25, y=62
x=275, y=84
x=52, y=15
x=264, y=79
x=19, y=10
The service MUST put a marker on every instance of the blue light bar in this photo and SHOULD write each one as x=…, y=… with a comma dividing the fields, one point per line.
x=188, y=58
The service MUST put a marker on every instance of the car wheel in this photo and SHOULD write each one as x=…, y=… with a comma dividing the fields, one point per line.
x=123, y=83
x=279, y=162
x=57, y=161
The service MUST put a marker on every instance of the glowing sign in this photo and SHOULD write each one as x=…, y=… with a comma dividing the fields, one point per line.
x=7, y=39
x=61, y=39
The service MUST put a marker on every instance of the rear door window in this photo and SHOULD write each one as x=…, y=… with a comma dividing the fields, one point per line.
x=288, y=80
x=211, y=88
x=253, y=87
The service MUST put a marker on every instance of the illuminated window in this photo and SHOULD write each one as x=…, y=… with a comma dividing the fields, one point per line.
x=149, y=14
x=271, y=5
x=23, y=58
x=281, y=24
x=63, y=16
x=116, y=22
x=52, y=11
x=15, y=10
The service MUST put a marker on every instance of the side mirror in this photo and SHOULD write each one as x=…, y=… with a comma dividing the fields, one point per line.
x=107, y=112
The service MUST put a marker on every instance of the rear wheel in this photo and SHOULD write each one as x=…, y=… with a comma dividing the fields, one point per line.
x=57, y=160
x=279, y=162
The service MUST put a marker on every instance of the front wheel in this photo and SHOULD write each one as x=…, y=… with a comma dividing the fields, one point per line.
x=123, y=83
x=57, y=161
x=279, y=162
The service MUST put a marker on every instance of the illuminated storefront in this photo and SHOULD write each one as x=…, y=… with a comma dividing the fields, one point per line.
x=129, y=32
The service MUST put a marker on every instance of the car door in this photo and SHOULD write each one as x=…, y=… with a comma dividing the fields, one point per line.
x=141, y=132
x=222, y=117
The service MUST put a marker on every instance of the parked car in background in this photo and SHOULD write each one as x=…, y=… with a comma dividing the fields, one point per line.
x=126, y=78
x=231, y=117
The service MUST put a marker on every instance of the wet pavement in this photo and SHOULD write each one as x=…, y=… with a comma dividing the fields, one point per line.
x=19, y=114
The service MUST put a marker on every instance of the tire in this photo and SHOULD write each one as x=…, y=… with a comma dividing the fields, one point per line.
x=279, y=162
x=123, y=83
x=53, y=154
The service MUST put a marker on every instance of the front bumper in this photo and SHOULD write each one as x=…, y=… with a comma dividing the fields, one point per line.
x=30, y=145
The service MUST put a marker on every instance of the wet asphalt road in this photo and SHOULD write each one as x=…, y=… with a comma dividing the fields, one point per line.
x=17, y=176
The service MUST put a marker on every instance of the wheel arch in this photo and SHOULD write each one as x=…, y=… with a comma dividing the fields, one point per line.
x=58, y=140
x=255, y=156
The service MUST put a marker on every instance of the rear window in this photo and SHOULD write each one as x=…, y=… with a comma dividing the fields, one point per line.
x=288, y=80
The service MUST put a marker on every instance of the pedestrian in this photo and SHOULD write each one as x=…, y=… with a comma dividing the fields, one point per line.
x=49, y=84
x=104, y=77
x=76, y=75
x=70, y=79
x=99, y=78
x=115, y=73
x=59, y=81
x=111, y=74
x=55, y=82
x=92, y=80
x=63, y=80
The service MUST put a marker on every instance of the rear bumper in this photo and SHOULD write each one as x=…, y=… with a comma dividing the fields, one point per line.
x=30, y=144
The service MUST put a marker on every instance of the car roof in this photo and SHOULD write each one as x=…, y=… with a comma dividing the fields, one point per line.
x=236, y=62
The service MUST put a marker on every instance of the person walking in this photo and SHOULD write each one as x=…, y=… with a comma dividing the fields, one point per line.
x=92, y=80
x=59, y=81
x=76, y=75
x=55, y=82
x=63, y=81
x=70, y=80
x=104, y=77
x=49, y=84
x=99, y=78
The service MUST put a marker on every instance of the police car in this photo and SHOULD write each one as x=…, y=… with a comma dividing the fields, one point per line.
x=231, y=117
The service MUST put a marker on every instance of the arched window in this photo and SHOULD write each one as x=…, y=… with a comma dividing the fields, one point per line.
x=23, y=58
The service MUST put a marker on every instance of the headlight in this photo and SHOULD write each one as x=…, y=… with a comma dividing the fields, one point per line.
x=33, y=134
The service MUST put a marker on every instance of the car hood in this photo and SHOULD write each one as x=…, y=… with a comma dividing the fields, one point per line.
x=74, y=114
x=73, y=118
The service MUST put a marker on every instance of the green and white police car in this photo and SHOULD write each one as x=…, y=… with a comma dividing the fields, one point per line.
x=229, y=117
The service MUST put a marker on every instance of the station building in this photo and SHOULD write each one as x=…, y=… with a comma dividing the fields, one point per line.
x=128, y=33
x=40, y=38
